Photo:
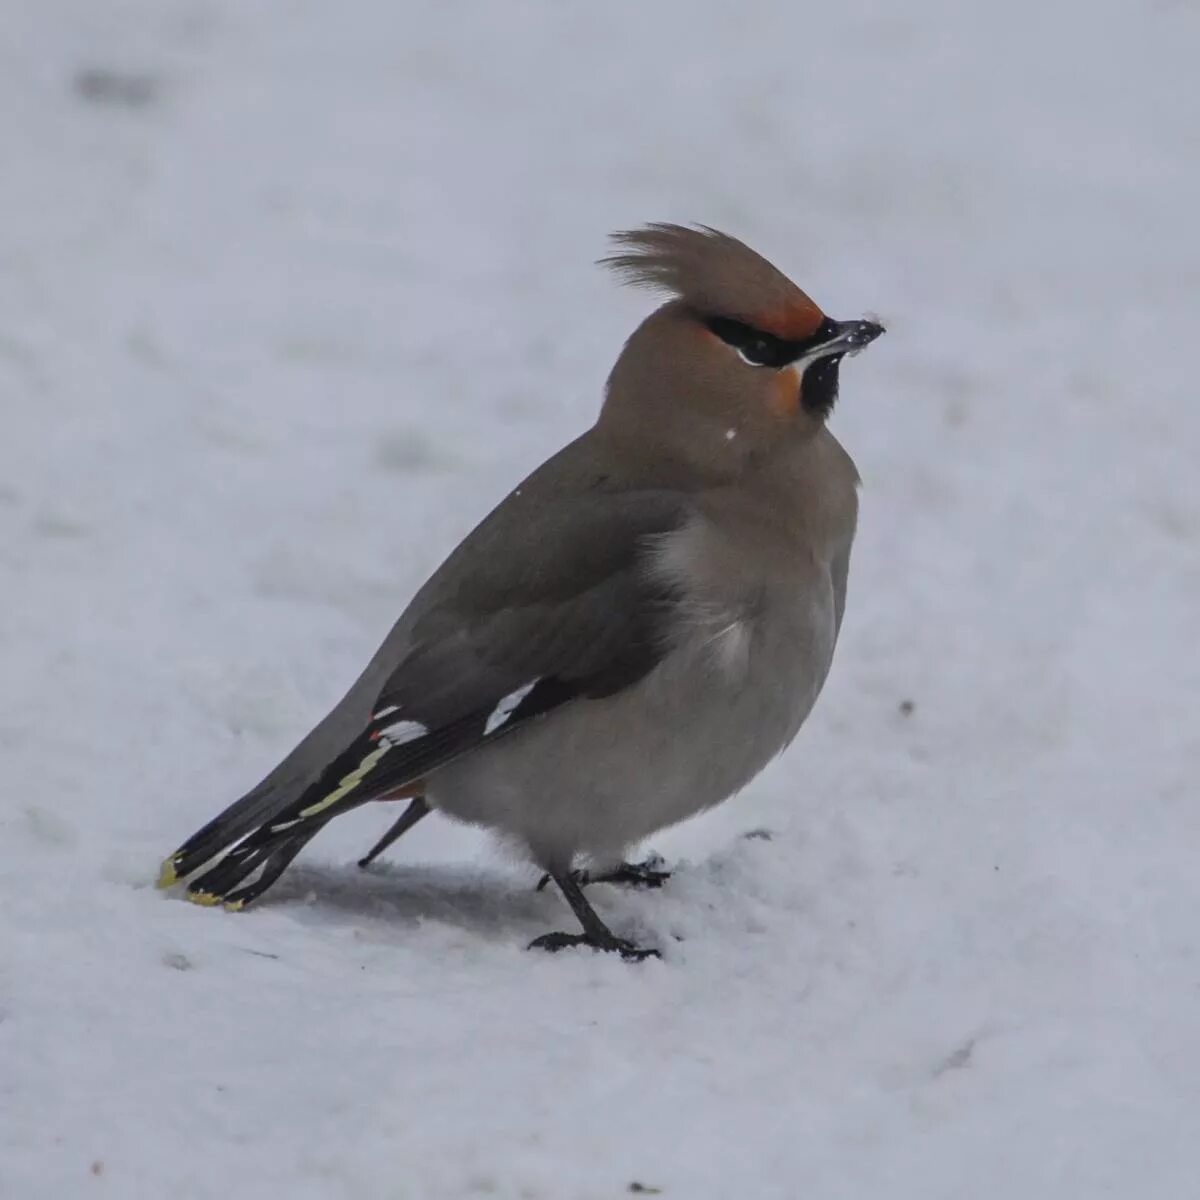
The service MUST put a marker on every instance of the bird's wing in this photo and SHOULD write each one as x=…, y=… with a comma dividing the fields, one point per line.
x=575, y=614
x=544, y=603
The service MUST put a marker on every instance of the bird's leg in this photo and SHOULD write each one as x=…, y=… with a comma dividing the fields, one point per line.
x=648, y=873
x=417, y=808
x=595, y=933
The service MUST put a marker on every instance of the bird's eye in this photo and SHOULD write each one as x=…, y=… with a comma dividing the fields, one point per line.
x=754, y=346
x=757, y=351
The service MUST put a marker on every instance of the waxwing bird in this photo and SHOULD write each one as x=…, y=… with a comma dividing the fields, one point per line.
x=632, y=634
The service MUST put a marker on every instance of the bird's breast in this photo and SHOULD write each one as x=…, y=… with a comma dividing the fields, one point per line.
x=749, y=643
x=763, y=655
x=752, y=633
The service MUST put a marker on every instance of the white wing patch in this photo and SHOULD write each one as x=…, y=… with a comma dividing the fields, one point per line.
x=402, y=731
x=504, y=709
x=394, y=735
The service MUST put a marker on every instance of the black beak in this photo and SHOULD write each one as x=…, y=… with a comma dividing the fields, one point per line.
x=849, y=337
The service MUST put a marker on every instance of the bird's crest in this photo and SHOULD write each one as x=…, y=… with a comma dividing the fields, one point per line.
x=715, y=274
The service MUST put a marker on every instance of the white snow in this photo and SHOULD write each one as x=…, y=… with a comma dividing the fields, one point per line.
x=290, y=294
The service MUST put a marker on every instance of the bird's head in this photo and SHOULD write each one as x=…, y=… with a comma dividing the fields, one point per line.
x=737, y=352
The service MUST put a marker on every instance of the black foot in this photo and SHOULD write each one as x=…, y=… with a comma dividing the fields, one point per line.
x=595, y=933
x=647, y=874
x=612, y=944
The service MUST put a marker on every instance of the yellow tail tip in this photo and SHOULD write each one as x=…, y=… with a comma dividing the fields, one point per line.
x=166, y=874
x=234, y=905
x=204, y=899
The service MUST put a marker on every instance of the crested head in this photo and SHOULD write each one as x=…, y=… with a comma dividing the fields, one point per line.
x=715, y=275
x=737, y=351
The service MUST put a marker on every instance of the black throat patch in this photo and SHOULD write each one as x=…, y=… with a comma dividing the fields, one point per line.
x=819, y=386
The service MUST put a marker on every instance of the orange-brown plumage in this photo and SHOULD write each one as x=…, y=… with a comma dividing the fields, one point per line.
x=785, y=393
x=717, y=275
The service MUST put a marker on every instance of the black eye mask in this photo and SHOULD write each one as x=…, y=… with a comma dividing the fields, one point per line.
x=762, y=349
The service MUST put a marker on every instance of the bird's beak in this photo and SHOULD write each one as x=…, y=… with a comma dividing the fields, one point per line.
x=847, y=337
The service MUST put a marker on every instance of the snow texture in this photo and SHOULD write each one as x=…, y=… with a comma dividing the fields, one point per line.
x=291, y=293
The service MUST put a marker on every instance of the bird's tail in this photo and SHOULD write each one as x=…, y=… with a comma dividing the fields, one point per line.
x=244, y=871
x=242, y=851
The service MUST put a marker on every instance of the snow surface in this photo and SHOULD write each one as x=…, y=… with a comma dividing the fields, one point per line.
x=292, y=292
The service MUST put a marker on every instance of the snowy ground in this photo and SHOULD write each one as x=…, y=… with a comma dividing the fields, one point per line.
x=291, y=292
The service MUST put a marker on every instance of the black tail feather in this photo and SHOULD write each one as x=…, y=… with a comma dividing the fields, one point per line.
x=236, y=882
x=275, y=866
x=251, y=836
x=265, y=829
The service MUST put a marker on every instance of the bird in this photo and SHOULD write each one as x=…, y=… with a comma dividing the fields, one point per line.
x=632, y=634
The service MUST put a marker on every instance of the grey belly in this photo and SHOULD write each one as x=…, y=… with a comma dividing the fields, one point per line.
x=598, y=775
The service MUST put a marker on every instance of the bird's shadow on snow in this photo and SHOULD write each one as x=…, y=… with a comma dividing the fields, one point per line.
x=478, y=901
x=492, y=903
